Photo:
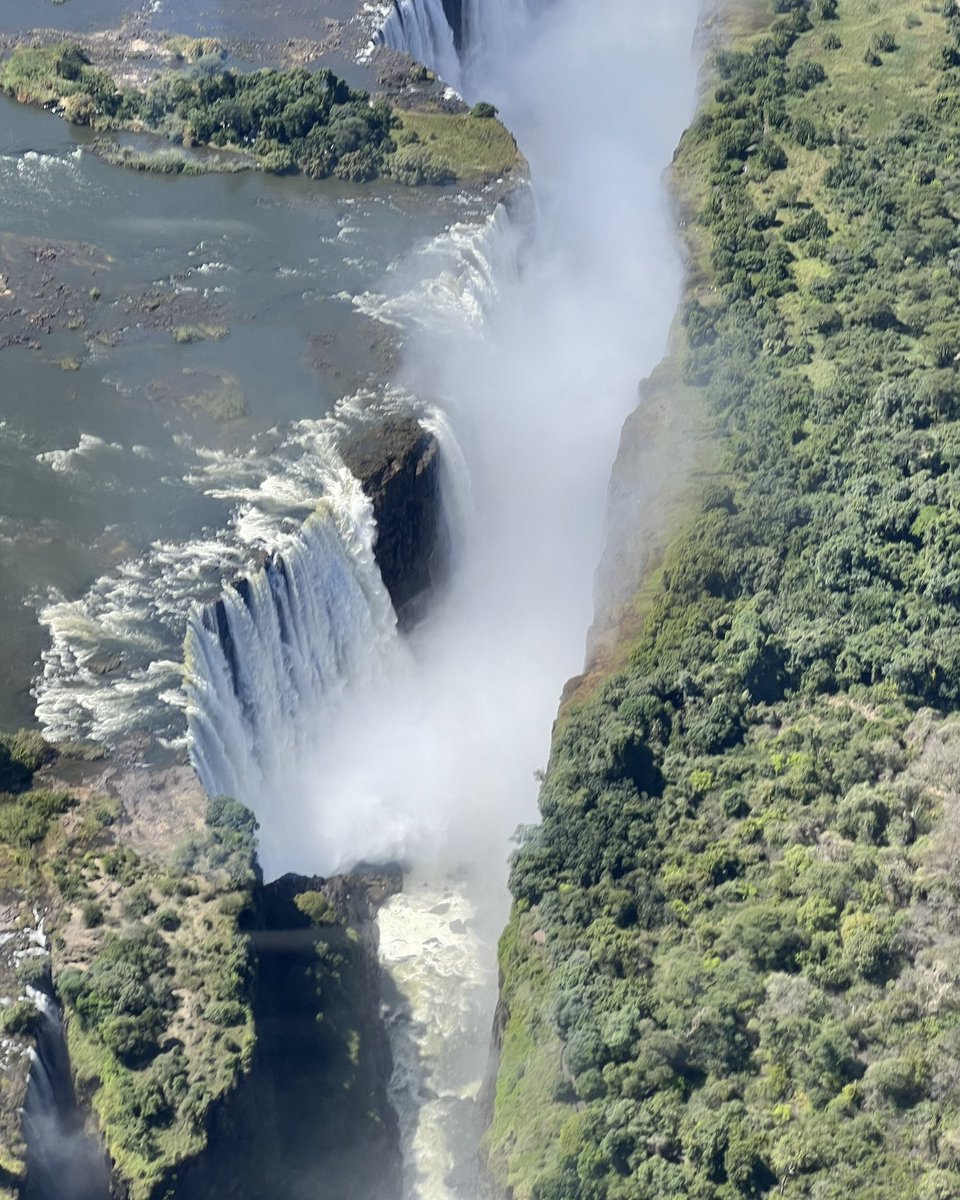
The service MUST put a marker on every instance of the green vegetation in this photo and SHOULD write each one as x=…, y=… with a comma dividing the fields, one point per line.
x=282, y=120
x=463, y=147
x=159, y=1020
x=193, y=49
x=20, y=1017
x=170, y=160
x=21, y=754
x=156, y=998
x=184, y=334
x=731, y=970
x=316, y=908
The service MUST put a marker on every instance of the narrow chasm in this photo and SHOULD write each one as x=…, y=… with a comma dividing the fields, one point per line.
x=312, y=1119
x=64, y=1159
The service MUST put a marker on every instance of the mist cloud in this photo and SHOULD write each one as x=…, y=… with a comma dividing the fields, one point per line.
x=433, y=759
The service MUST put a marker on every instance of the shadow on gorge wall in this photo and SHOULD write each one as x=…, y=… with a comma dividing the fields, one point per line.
x=312, y=1121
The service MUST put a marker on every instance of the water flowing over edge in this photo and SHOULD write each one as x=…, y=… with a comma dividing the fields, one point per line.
x=113, y=667
x=455, y=38
x=429, y=1006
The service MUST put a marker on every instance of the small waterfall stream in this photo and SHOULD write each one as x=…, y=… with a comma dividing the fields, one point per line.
x=456, y=39
x=421, y=29
x=63, y=1161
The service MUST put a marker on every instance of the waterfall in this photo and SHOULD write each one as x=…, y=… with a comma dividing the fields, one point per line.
x=63, y=1162
x=290, y=653
x=270, y=657
x=458, y=41
x=421, y=29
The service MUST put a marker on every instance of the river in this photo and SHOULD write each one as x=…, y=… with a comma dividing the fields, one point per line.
x=521, y=336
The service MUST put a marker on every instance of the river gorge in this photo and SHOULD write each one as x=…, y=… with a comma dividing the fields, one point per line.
x=196, y=568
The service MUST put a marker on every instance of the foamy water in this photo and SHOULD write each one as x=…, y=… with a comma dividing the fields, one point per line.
x=440, y=962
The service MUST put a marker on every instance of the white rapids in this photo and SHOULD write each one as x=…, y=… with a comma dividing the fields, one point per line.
x=437, y=948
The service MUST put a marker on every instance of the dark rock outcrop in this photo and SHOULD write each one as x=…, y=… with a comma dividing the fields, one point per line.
x=453, y=11
x=398, y=465
x=312, y=1120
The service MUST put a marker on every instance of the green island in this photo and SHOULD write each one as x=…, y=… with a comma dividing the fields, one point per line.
x=280, y=120
x=732, y=966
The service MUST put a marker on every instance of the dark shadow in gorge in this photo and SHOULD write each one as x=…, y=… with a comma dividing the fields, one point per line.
x=312, y=1121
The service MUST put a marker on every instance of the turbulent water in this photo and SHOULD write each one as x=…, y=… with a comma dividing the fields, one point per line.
x=437, y=942
x=523, y=336
x=530, y=333
x=121, y=501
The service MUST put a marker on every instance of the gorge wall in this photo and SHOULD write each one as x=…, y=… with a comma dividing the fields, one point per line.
x=692, y=1004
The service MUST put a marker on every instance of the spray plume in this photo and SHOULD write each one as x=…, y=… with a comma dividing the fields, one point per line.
x=531, y=340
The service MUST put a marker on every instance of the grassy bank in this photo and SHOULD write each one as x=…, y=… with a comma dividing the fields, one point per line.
x=278, y=120
x=732, y=964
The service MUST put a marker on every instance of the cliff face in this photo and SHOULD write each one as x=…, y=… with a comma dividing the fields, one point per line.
x=718, y=978
x=398, y=465
x=312, y=1118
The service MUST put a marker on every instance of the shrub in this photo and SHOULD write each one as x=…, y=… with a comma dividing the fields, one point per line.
x=168, y=919
x=316, y=908
x=225, y=1012
x=34, y=971
x=22, y=1017
x=137, y=903
x=883, y=43
x=416, y=165
x=805, y=75
x=901, y=1080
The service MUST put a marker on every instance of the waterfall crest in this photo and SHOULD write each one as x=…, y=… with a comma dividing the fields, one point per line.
x=270, y=657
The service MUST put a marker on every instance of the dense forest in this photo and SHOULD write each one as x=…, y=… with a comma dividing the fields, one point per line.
x=732, y=968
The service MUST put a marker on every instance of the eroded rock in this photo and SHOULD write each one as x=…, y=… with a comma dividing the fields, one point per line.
x=398, y=465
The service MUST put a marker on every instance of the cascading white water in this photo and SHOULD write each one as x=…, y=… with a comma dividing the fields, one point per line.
x=281, y=644
x=420, y=28
x=532, y=346
x=63, y=1162
x=278, y=669
x=436, y=949
x=461, y=56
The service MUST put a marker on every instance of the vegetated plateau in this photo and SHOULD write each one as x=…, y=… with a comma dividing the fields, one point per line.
x=732, y=968
x=280, y=120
